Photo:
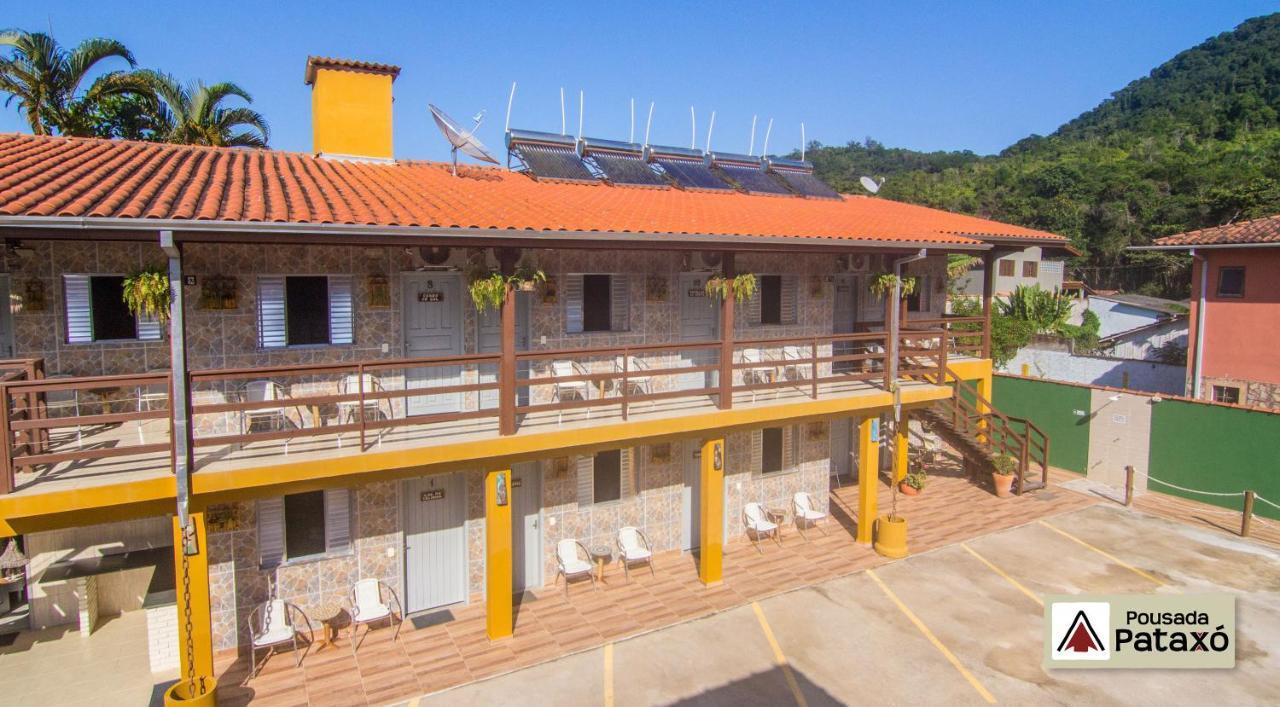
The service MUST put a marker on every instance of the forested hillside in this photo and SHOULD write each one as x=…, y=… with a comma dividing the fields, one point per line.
x=1196, y=143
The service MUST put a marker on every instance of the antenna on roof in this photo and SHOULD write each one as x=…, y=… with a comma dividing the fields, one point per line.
x=562, y=118
x=767, y=132
x=460, y=140
x=710, y=128
x=581, y=103
x=693, y=131
x=632, y=139
x=510, y=99
x=871, y=185
x=752, y=148
x=648, y=124
x=802, y=142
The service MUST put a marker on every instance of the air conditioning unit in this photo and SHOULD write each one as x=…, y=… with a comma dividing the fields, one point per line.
x=859, y=262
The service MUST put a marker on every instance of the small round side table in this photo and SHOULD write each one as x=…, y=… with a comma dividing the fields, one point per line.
x=327, y=614
x=600, y=554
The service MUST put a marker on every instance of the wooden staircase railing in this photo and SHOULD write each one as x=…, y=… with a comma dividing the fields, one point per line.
x=973, y=416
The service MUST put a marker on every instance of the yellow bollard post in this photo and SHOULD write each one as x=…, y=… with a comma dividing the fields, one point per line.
x=711, y=513
x=868, y=477
x=497, y=554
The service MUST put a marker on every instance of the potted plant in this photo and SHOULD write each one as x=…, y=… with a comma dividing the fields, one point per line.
x=488, y=291
x=881, y=285
x=1003, y=470
x=527, y=278
x=147, y=294
x=912, y=484
x=742, y=287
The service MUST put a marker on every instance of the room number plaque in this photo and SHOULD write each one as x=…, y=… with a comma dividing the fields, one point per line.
x=433, y=495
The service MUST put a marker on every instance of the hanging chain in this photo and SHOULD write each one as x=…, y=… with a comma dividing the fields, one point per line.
x=186, y=615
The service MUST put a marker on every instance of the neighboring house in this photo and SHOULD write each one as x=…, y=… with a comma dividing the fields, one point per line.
x=1136, y=326
x=353, y=415
x=1026, y=267
x=1235, y=311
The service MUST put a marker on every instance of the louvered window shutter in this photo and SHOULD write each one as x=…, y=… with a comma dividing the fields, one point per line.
x=271, y=531
x=271, y=326
x=79, y=309
x=788, y=448
x=753, y=309
x=341, y=310
x=149, y=328
x=586, y=480
x=757, y=452
x=337, y=520
x=790, y=291
x=628, y=481
x=620, y=303
x=573, y=303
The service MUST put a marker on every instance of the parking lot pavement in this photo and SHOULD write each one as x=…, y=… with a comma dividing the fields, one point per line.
x=959, y=625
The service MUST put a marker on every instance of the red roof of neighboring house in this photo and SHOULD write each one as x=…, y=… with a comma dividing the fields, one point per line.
x=1259, y=230
x=91, y=178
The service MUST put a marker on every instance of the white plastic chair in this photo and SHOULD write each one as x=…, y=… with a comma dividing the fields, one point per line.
x=369, y=605
x=350, y=410
x=757, y=374
x=796, y=366
x=758, y=524
x=272, y=625
x=637, y=380
x=276, y=417
x=634, y=548
x=571, y=565
x=804, y=514
x=573, y=389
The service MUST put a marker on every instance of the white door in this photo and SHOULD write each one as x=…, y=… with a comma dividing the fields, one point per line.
x=489, y=340
x=432, y=327
x=435, y=541
x=844, y=319
x=699, y=321
x=526, y=526
x=691, y=495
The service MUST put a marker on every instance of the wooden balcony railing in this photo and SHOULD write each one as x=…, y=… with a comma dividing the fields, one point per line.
x=966, y=336
x=65, y=424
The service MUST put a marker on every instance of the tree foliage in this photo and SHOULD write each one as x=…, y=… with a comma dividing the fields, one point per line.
x=1194, y=144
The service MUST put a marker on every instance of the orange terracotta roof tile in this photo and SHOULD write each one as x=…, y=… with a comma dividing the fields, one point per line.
x=1260, y=230
x=90, y=178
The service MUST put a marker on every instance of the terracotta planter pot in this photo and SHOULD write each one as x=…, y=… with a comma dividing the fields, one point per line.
x=908, y=490
x=1003, y=484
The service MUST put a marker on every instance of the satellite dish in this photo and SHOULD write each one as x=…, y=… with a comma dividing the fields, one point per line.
x=871, y=185
x=460, y=139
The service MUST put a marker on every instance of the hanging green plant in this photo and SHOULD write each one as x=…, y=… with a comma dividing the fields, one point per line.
x=147, y=294
x=742, y=287
x=881, y=285
x=528, y=278
x=488, y=292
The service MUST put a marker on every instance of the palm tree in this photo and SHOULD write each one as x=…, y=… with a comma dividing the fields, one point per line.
x=191, y=114
x=45, y=80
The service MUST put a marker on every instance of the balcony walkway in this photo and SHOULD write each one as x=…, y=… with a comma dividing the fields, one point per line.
x=82, y=473
x=453, y=649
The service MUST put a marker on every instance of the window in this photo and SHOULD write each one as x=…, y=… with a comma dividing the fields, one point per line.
x=918, y=300
x=775, y=300
x=1226, y=394
x=96, y=311
x=304, y=525
x=772, y=450
x=1231, y=281
x=1030, y=268
x=1006, y=268
x=605, y=477
x=305, y=310
x=596, y=302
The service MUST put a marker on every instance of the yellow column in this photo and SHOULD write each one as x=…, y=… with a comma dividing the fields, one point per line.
x=983, y=386
x=868, y=478
x=900, y=456
x=193, y=577
x=497, y=554
x=711, y=512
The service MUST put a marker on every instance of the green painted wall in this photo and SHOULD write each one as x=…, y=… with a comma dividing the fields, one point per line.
x=1216, y=448
x=1051, y=406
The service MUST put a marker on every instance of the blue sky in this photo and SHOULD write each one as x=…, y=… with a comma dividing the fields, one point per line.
x=928, y=76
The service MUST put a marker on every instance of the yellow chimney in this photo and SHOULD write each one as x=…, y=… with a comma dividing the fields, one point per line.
x=350, y=107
